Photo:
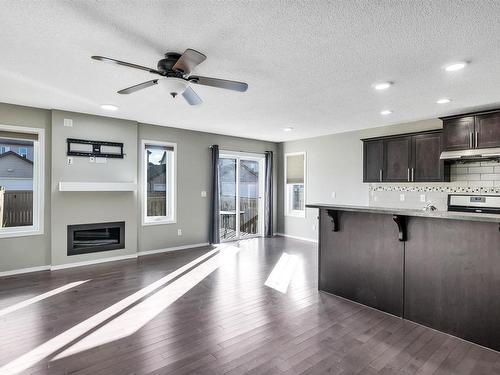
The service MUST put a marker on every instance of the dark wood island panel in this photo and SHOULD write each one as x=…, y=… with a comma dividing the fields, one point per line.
x=441, y=269
x=363, y=261
x=452, y=278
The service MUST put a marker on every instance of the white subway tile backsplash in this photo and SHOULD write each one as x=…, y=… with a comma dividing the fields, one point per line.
x=481, y=183
x=489, y=162
x=497, y=169
x=490, y=176
x=459, y=170
x=481, y=170
x=466, y=177
x=497, y=184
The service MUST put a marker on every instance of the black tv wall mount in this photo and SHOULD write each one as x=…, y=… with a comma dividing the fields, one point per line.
x=100, y=149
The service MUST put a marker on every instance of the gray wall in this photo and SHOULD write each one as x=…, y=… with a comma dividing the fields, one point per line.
x=92, y=207
x=29, y=251
x=193, y=176
x=65, y=208
x=334, y=164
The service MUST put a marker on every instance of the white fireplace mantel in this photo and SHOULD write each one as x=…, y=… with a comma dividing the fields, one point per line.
x=97, y=186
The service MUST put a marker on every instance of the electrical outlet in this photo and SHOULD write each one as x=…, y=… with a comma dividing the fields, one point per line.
x=68, y=122
x=99, y=160
x=402, y=197
x=422, y=198
x=375, y=198
x=334, y=195
x=179, y=232
x=204, y=194
x=70, y=160
x=314, y=226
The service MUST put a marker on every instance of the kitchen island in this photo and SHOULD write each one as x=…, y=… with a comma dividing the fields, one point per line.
x=437, y=268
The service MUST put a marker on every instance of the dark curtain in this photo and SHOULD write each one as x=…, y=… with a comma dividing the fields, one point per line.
x=268, y=204
x=214, y=235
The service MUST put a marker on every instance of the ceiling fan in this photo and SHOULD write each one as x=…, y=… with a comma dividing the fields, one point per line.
x=174, y=71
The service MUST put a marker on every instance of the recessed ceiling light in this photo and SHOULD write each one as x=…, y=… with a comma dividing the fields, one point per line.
x=109, y=107
x=382, y=85
x=287, y=129
x=385, y=112
x=455, y=66
x=443, y=101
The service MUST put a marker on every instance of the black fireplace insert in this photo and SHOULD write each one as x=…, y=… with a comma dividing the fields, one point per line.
x=91, y=238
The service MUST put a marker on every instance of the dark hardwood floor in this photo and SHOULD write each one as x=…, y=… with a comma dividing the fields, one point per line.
x=209, y=312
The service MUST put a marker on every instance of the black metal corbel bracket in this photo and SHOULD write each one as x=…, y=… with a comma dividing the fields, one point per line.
x=334, y=215
x=401, y=222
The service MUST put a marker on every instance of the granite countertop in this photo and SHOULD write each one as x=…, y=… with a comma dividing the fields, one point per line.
x=411, y=212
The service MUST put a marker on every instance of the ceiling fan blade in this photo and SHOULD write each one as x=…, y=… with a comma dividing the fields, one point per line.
x=220, y=83
x=188, y=60
x=191, y=96
x=124, y=63
x=140, y=86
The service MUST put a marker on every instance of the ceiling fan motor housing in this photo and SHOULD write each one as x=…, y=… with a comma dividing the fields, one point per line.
x=165, y=66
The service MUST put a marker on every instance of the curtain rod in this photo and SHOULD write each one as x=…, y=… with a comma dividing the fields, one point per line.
x=249, y=152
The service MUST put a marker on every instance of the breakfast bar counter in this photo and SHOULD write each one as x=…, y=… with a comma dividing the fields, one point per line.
x=437, y=268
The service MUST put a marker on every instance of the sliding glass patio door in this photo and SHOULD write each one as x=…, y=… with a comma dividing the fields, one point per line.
x=241, y=192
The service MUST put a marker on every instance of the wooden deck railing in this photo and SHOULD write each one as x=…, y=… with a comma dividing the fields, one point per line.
x=17, y=207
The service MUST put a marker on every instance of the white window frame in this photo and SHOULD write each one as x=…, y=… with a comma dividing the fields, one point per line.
x=288, y=210
x=171, y=177
x=25, y=153
x=38, y=184
x=4, y=149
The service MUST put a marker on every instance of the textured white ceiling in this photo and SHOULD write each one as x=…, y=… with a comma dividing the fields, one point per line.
x=309, y=64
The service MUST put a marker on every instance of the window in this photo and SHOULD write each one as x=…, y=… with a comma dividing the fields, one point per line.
x=159, y=182
x=21, y=181
x=23, y=151
x=295, y=170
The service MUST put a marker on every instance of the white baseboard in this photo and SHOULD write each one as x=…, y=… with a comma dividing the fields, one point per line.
x=174, y=248
x=24, y=270
x=93, y=261
x=297, y=238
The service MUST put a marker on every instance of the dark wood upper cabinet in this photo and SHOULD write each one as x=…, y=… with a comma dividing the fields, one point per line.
x=487, y=130
x=426, y=165
x=397, y=159
x=458, y=133
x=405, y=158
x=473, y=130
x=373, y=161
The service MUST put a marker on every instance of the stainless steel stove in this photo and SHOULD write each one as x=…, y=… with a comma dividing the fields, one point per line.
x=488, y=204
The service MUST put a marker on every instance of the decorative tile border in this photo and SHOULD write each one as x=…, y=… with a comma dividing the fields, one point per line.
x=436, y=189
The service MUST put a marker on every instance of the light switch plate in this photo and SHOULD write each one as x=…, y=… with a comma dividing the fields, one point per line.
x=334, y=194
x=179, y=232
x=402, y=197
x=422, y=198
x=99, y=160
x=70, y=160
x=204, y=194
x=68, y=122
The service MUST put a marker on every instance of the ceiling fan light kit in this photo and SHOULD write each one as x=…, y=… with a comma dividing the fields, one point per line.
x=175, y=70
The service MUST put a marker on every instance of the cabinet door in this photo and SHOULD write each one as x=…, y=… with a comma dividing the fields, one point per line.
x=488, y=130
x=458, y=133
x=373, y=161
x=426, y=165
x=397, y=159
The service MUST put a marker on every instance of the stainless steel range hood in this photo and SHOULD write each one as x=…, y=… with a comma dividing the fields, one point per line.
x=471, y=154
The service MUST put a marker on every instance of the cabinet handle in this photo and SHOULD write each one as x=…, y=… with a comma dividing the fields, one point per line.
x=413, y=174
x=380, y=175
x=477, y=136
x=408, y=174
x=471, y=135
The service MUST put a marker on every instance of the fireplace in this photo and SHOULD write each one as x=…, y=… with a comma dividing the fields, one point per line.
x=91, y=238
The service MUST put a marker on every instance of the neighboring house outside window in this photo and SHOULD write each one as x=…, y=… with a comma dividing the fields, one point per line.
x=159, y=181
x=21, y=181
x=295, y=172
x=23, y=151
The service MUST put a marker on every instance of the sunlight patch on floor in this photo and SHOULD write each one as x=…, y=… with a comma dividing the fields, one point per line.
x=67, y=340
x=282, y=273
x=41, y=297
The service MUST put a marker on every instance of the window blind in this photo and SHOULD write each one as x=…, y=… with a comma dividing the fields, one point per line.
x=18, y=135
x=295, y=169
